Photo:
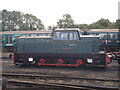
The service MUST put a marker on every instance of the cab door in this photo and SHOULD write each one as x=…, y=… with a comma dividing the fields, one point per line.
x=73, y=40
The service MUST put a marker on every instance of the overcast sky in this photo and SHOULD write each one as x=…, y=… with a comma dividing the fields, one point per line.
x=49, y=11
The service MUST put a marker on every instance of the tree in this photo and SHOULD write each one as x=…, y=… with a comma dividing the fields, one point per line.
x=83, y=26
x=16, y=20
x=117, y=24
x=66, y=22
x=101, y=24
x=51, y=27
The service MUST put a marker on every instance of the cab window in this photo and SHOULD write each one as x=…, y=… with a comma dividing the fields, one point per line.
x=65, y=35
x=60, y=35
x=73, y=36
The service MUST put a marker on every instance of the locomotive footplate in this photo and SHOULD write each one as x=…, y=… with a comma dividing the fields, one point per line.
x=66, y=59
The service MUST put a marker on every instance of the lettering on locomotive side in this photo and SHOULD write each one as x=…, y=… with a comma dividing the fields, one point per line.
x=63, y=48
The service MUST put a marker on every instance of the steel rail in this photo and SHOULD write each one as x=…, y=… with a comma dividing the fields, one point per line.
x=63, y=86
x=59, y=77
x=33, y=80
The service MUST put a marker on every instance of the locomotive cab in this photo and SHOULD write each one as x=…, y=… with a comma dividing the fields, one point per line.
x=66, y=34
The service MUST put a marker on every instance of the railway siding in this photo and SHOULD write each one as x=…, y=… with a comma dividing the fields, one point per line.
x=62, y=81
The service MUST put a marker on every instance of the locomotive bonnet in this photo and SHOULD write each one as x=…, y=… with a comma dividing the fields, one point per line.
x=62, y=41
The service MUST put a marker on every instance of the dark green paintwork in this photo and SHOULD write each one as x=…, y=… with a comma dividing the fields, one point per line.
x=48, y=45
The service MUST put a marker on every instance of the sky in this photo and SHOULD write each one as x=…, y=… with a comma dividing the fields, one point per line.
x=50, y=11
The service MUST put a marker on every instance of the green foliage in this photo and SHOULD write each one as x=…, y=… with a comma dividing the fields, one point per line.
x=117, y=24
x=52, y=27
x=12, y=21
x=83, y=26
x=100, y=24
x=66, y=22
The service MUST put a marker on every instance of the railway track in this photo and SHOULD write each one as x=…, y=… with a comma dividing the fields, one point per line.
x=51, y=81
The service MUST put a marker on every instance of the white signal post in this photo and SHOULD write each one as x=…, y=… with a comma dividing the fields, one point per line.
x=119, y=10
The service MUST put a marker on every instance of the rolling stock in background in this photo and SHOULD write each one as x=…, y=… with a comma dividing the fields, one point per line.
x=8, y=38
x=109, y=38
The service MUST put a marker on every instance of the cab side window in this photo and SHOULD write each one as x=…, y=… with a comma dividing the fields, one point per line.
x=60, y=35
x=65, y=35
x=73, y=36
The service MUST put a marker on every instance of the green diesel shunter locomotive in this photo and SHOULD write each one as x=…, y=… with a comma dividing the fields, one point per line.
x=65, y=47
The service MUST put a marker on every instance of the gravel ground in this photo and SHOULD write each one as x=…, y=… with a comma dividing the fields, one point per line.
x=111, y=72
x=92, y=72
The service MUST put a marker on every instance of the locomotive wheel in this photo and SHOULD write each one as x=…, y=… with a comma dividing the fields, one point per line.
x=80, y=63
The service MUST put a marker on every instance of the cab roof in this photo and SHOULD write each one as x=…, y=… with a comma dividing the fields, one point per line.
x=71, y=29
